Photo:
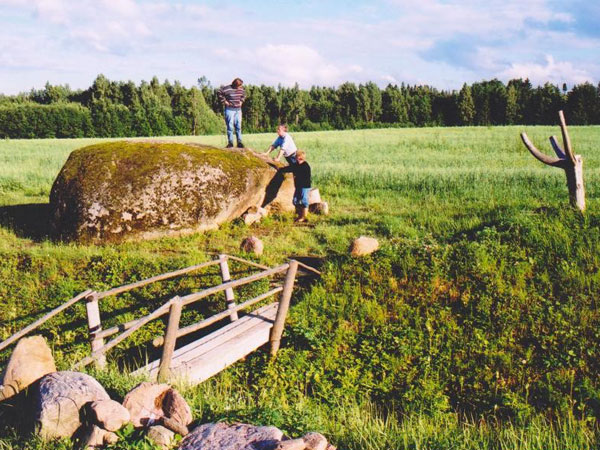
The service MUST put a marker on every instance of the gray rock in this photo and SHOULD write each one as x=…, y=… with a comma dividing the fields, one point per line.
x=363, y=246
x=161, y=436
x=219, y=436
x=253, y=245
x=116, y=191
x=145, y=402
x=315, y=441
x=109, y=414
x=321, y=208
x=291, y=444
x=30, y=360
x=59, y=396
x=98, y=438
x=176, y=408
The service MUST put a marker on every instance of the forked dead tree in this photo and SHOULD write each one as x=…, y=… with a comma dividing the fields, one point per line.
x=565, y=159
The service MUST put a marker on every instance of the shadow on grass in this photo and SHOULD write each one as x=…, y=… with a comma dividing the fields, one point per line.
x=31, y=221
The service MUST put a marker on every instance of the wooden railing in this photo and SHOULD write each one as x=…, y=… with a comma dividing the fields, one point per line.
x=173, y=308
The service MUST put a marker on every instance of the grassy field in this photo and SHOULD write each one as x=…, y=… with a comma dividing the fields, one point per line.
x=475, y=326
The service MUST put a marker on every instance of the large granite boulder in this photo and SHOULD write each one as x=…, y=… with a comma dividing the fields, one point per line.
x=59, y=399
x=121, y=190
x=218, y=436
x=30, y=361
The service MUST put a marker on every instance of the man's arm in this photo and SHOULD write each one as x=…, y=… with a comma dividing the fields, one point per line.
x=221, y=96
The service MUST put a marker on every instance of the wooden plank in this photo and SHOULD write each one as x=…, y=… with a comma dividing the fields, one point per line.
x=164, y=276
x=219, y=316
x=41, y=320
x=250, y=263
x=214, y=361
x=95, y=326
x=262, y=317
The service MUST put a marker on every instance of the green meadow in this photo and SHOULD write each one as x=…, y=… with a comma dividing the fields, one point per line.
x=476, y=325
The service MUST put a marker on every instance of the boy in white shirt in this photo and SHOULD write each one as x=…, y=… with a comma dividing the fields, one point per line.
x=286, y=145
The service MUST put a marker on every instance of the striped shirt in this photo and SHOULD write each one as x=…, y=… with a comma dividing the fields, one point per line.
x=234, y=96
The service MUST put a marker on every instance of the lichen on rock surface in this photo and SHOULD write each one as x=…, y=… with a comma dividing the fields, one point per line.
x=126, y=189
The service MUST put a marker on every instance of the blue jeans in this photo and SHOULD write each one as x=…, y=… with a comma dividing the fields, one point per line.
x=233, y=119
x=291, y=159
x=301, y=197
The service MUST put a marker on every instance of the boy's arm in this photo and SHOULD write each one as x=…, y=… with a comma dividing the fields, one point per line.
x=278, y=157
x=271, y=148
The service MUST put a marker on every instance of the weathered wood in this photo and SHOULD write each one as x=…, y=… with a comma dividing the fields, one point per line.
x=284, y=305
x=157, y=342
x=143, y=321
x=190, y=298
x=15, y=337
x=95, y=326
x=250, y=263
x=309, y=268
x=164, y=276
x=572, y=164
x=170, y=339
x=575, y=183
x=549, y=160
x=229, y=297
x=566, y=138
x=207, y=356
x=117, y=329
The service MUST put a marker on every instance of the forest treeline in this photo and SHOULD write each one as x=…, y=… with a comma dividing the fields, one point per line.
x=118, y=109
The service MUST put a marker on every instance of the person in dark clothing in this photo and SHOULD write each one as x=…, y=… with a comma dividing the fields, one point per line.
x=232, y=97
x=302, y=183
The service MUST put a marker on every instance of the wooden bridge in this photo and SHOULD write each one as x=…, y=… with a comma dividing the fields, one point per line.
x=207, y=356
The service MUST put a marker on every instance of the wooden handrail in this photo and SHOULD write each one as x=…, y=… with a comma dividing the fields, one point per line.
x=250, y=263
x=164, y=276
x=200, y=295
x=191, y=298
x=140, y=323
x=41, y=320
x=219, y=316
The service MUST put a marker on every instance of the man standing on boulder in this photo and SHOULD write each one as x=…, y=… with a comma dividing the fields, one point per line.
x=232, y=97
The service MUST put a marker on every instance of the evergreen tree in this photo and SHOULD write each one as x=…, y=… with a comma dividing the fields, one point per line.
x=466, y=106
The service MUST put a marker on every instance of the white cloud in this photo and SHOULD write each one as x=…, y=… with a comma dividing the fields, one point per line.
x=289, y=64
x=555, y=72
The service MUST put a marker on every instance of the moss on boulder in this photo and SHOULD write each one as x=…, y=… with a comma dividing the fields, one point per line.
x=121, y=190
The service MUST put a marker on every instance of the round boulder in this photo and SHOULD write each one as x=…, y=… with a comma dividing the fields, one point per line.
x=120, y=190
x=59, y=397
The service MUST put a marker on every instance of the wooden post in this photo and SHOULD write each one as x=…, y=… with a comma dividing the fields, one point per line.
x=229, y=297
x=95, y=326
x=565, y=159
x=170, y=339
x=284, y=305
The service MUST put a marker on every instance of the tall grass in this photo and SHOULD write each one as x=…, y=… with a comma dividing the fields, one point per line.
x=483, y=266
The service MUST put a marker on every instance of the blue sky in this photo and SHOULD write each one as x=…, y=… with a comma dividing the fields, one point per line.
x=443, y=43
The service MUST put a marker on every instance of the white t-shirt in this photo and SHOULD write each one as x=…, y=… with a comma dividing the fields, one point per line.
x=286, y=143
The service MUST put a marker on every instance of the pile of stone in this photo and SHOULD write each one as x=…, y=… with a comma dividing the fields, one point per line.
x=74, y=405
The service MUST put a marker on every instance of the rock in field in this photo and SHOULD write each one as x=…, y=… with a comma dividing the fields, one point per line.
x=218, y=436
x=30, y=361
x=319, y=208
x=145, y=402
x=253, y=245
x=122, y=190
x=363, y=246
x=149, y=403
x=59, y=397
x=109, y=414
x=161, y=436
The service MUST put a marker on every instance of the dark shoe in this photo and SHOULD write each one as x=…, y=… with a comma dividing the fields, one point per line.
x=302, y=213
x=240, y=144
x=229, y=145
